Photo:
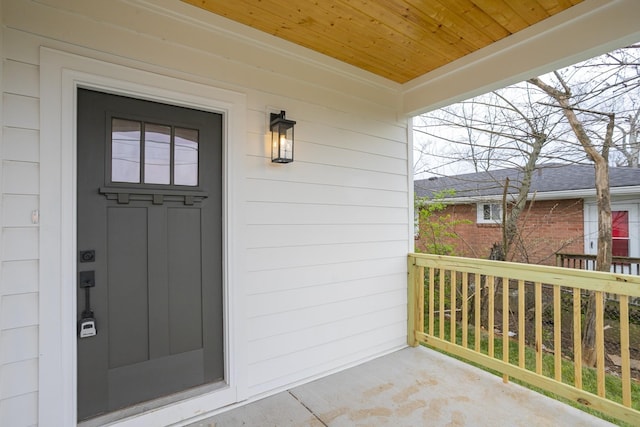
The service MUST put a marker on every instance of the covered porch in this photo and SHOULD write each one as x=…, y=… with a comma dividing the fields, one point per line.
x=410, y=387
x=311, y=256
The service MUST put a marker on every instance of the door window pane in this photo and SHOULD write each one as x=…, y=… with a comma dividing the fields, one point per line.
x=620, y=223
x=157, y=154
x=620, y=247
x=186, y=157
x=620, y=233
x=125, y=150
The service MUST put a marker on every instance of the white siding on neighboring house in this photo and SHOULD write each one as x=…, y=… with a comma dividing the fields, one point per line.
x=319, y=245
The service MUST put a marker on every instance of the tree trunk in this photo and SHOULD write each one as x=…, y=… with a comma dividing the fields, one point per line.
x=603, y=259
x=603, y=196
x=510, y=224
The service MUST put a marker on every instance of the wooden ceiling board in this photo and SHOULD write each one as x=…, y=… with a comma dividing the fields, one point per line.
x=414, y=28
x=336, y=38
x=396, y=39
x=469, y=23
x=531, y=11
x=503, y=14
x=458, y=34
x=470, y=14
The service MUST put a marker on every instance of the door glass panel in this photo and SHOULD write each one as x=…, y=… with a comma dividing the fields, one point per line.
x=620, y=233
x=125, y=150
x=186, y=157
x=157, y=154
x=620, y=247
x=620, y=223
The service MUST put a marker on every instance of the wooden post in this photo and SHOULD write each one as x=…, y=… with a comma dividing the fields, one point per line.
x=412, y=302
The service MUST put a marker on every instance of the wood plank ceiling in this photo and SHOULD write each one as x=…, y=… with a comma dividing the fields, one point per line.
x=396, y=39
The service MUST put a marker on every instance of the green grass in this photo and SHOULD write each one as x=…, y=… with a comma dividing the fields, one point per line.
x=613, y=384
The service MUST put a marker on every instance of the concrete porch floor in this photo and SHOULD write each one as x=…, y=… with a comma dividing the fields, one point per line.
x=410, y=387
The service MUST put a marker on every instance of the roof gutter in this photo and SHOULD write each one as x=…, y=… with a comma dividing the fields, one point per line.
x=547, y=195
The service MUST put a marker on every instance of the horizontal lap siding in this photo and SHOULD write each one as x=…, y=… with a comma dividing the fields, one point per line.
x=327, y=237
x=323, y=240
x=19, y=154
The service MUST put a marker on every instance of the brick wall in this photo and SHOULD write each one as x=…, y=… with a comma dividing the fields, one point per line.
x=545, y=228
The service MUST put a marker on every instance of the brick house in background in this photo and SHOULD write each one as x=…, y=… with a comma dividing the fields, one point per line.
x=560, y=215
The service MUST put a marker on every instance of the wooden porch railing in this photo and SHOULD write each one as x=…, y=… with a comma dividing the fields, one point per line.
x=619, y=264
x=526, y=322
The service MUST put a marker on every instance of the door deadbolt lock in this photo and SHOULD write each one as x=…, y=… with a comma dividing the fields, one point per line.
x=88, y=256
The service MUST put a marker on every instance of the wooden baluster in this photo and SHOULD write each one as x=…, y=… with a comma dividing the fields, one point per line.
x=454, y=303
x=600, y=343
x=577, y=338
x=538, y=326
x=505, y=324
x=557, y=333
x=624, y=350
x=478, y=289
x=465, y=309
x=432, y=292
x=419, y=315
x=441, y=303
x=491, y=322
x=521, y=324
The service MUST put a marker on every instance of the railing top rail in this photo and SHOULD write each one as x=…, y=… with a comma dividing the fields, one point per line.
x=617, y=283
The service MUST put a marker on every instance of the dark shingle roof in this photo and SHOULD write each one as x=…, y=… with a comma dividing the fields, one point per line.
x=547, y=178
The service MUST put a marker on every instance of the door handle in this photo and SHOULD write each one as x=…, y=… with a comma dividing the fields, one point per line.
x=87, y=279
x=87, y=323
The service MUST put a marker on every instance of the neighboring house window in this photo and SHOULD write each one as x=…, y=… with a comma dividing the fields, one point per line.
x=489, y=213
x=620, y=233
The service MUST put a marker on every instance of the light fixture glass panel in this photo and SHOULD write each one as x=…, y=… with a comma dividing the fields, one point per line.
x=286, y=143
x=186, y=157
x=157, y=154
x=125, y=151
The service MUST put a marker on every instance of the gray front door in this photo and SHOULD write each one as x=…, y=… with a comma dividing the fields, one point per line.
x=150, y=251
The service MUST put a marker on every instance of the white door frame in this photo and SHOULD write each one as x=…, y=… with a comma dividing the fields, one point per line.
x=60, y=75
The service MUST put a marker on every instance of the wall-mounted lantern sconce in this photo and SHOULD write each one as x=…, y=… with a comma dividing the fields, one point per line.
x=281, y=138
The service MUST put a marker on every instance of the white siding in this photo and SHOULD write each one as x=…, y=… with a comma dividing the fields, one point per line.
x=19, y=172
x=323, y=240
